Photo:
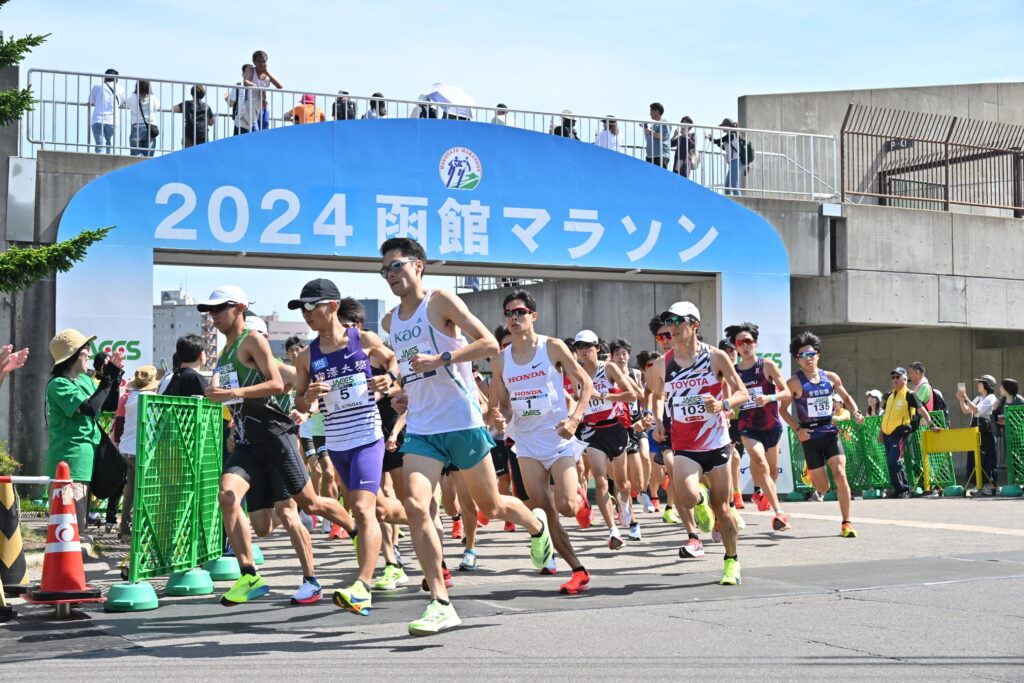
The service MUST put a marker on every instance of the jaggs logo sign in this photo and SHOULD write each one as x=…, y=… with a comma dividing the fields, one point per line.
x=777, y=357
x=130, y=348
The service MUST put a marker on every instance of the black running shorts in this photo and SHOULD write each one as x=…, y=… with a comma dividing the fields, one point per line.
x=708, y=460
x=265, y=492
x=611, y=440
x=818, y=450
x=251, y=461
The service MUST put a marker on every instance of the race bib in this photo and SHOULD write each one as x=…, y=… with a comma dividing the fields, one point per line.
x=819, y=407
x=348, y=392
x=754, y=391
x=530, y=402
x=689, y=409
x=228, y=380
x=405, y=363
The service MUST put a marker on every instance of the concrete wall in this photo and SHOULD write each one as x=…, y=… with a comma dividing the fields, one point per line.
x=8, y=149
x=803, y=229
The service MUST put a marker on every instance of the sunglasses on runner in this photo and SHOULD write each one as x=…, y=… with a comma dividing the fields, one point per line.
x=579, y=346
x=395, y=266
x=677, y=320
x=311, y=305
x=745, y=342
x=663, y=336
x=807, y=354
x=347, y=325
x=220, y=308
x=517, y=312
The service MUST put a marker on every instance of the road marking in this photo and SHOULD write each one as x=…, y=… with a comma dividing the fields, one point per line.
x=998, y=531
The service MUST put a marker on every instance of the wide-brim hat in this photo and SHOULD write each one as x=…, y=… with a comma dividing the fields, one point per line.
x=144, y=379
x=66, y=344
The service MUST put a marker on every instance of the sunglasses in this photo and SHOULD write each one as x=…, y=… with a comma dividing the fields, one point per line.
x=220, y=308
x=517, y=312
x=579, y=346
x=807, y=354
x=745, y=342
x=895, y=377
x=348, y=325
x=311, y=305
x=663, y=336
x=395, y=266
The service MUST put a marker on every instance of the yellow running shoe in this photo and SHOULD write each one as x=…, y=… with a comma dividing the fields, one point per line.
x=356, y=598
x=731, y=573
x=702, y=512
x=847, y=531
x=247, y=587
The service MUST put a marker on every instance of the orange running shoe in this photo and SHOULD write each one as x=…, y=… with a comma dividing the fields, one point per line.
x=763, y=504
x=737, y=499
x=780, y=522
x=579, y=582
x=509, y=526
x=457, y=531
x=481, y=520
x=584, y=515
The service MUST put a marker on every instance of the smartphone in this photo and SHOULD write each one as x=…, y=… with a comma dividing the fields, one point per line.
x=961, y=386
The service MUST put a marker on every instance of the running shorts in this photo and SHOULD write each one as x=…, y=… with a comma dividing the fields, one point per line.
x=820, y=449
x=251, y=461
x=360, y=468
x=265, y=492
x=464, y=448
x=708, y=460
x=611, y=440
x=769, y=438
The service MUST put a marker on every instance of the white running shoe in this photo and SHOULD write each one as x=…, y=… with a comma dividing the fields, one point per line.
x=646, y=501
x=306, y=520
x=307, y=594
x=626, y=513
x=634, y=532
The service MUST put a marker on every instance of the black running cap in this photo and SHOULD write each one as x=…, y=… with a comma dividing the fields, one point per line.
x=316, y=290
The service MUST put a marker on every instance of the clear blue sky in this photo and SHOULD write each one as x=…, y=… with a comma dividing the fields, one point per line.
x=594, y=57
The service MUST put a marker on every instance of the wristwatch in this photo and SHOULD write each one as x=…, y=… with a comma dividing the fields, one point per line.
x=393, y=376
x=446, y=357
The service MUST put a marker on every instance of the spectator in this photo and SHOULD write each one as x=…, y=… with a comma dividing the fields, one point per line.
x=1008, y=396
x=166, y=377
x=874, y=403
x=344, y=107
x=11, y=360
x=839, y=409
x=609, y=137
x=246, y=104
x=186, y=380
x=143, y=108
x=980, y=408
x=306, y=112
x=730, y=142
x=501, y=116
x=568, y=127
x=657, y=137
x=898, y=423
x=110, y=404
x=259, y=76
x=198, y=117
x=920, y=385
x=73, y=404
x=143, y=382
x=684, y=139
x=104, y=98
x=378, y=108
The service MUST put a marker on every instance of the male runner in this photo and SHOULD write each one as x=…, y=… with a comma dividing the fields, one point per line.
x=445, y=424
x=702, y=385
x=246, y=380
x=663, y=452
x=759, y=423
x=334, y=371
x=528, y=389
x=604, y=434
x=632, y=417
x=812, y=389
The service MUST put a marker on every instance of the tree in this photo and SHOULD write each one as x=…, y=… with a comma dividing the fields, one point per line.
x=16, y=101
x=20, y=268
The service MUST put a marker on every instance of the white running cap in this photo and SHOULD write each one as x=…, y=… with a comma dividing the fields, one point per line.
x=257, y=325
x=224, y=294
x=586, y=336
x=681, y=309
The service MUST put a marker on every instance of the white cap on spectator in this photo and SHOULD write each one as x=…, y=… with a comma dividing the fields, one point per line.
x=224, y=294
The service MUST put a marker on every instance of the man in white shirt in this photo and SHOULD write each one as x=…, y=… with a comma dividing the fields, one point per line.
x=502, y=117
x=609, y=135
x=104, y=98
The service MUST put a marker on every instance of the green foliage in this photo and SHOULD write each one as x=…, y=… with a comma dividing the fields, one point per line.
x=20, y=268
x=16, y=101
x=8, y=465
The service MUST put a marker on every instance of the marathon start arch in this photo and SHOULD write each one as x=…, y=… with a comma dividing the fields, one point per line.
x=475, y=195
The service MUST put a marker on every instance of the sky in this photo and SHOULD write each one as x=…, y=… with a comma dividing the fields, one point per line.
x=593, y=57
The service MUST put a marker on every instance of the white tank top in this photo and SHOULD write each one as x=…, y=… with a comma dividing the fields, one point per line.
x=442, y=400
x=537, y=393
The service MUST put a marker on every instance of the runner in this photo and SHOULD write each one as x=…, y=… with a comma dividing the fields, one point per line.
x=528, y=390
x=701, y=384
x=638, y=458
x=811, y=389
x=445, y=424
x=759, y=423
x=335, y=372
x=604, y=434
x=245, y=381
x=663, y=454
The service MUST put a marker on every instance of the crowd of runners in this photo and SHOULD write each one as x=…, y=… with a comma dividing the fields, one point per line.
x=391, y=425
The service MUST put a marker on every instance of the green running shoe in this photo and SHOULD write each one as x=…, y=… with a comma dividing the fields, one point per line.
x=669, y=516
x=731, y=573
x=541, y=549
x=356, y=598
x=248, y=587
x=391, y=578
x=435, y=618
x=702, y=512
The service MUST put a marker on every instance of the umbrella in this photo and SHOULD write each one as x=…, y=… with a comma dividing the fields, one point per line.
x=453, y=100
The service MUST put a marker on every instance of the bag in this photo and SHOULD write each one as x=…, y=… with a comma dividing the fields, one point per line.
x=938, y=401
x=196, y=122
x=151, y=128
x=746, y=152
x=108, y=468
x=344, y=109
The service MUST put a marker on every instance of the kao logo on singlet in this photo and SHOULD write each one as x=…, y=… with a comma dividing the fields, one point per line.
x=406, y=335
x=460, y=169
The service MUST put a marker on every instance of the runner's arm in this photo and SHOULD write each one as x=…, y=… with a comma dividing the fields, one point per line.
x=500, y=403
x=376, y=350
x=784, y=410
x=287, y=376
x=782, y=395
x=655, y=376
x=559, y=354
x=257, y=350
x=450, y=308
x=734, y=392
x=619, y=379
x=301, y=365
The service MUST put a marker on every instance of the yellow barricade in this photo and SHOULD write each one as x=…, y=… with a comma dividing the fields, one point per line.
x=951, y=440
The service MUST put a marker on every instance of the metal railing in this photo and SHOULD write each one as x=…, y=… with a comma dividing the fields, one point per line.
x=732, y=161
x=473, y=283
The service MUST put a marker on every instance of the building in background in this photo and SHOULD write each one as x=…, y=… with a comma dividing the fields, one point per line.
x=279, y=331
x=374, y=312
x=174, y=317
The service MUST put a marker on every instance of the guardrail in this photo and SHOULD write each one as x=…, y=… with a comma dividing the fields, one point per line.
x=732, y=161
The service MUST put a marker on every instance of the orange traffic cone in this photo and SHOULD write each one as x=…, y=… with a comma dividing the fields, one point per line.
x=63, y=572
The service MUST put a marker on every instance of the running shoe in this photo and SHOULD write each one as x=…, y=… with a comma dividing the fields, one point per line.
x=646, y=501
x=398, y=557
x=481, y=519
x=655, y=502
x=541, y=550
x=737, y=499
x=584, y=516
x=356, y=598
x=716, y=535
x=435, y=618
x=307, y=594
x=670, y=516
x=306, y=520
x=468, y=563
x=579, y=582
x=757, y=498
x=448, y=580
x=457, y=531
x=247, y=587
x=740, y=522
x=731, y=573
x=847, y=531
x=693, y=549
x=625, y=513
x=634, y=532
x=391, y=578
x=780, y=522
x=509, y=526
x=702, y=511
x=550, y=569
x=764, y=504
x=614, y=541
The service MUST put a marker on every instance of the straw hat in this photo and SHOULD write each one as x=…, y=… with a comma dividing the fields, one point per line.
x=144, y=379
x=66, y=344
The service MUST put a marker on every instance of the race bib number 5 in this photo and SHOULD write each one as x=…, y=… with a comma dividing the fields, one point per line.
x=689, y=409
x=346, y=393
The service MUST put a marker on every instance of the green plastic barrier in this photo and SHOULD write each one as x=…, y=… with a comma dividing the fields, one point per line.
x=176, y=524
x=1013, y=433
x=941, y=468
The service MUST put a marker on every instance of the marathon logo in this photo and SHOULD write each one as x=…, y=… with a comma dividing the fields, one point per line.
x=529, y=375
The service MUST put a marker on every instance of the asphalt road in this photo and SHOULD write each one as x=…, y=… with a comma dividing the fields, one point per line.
x=931, y=588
